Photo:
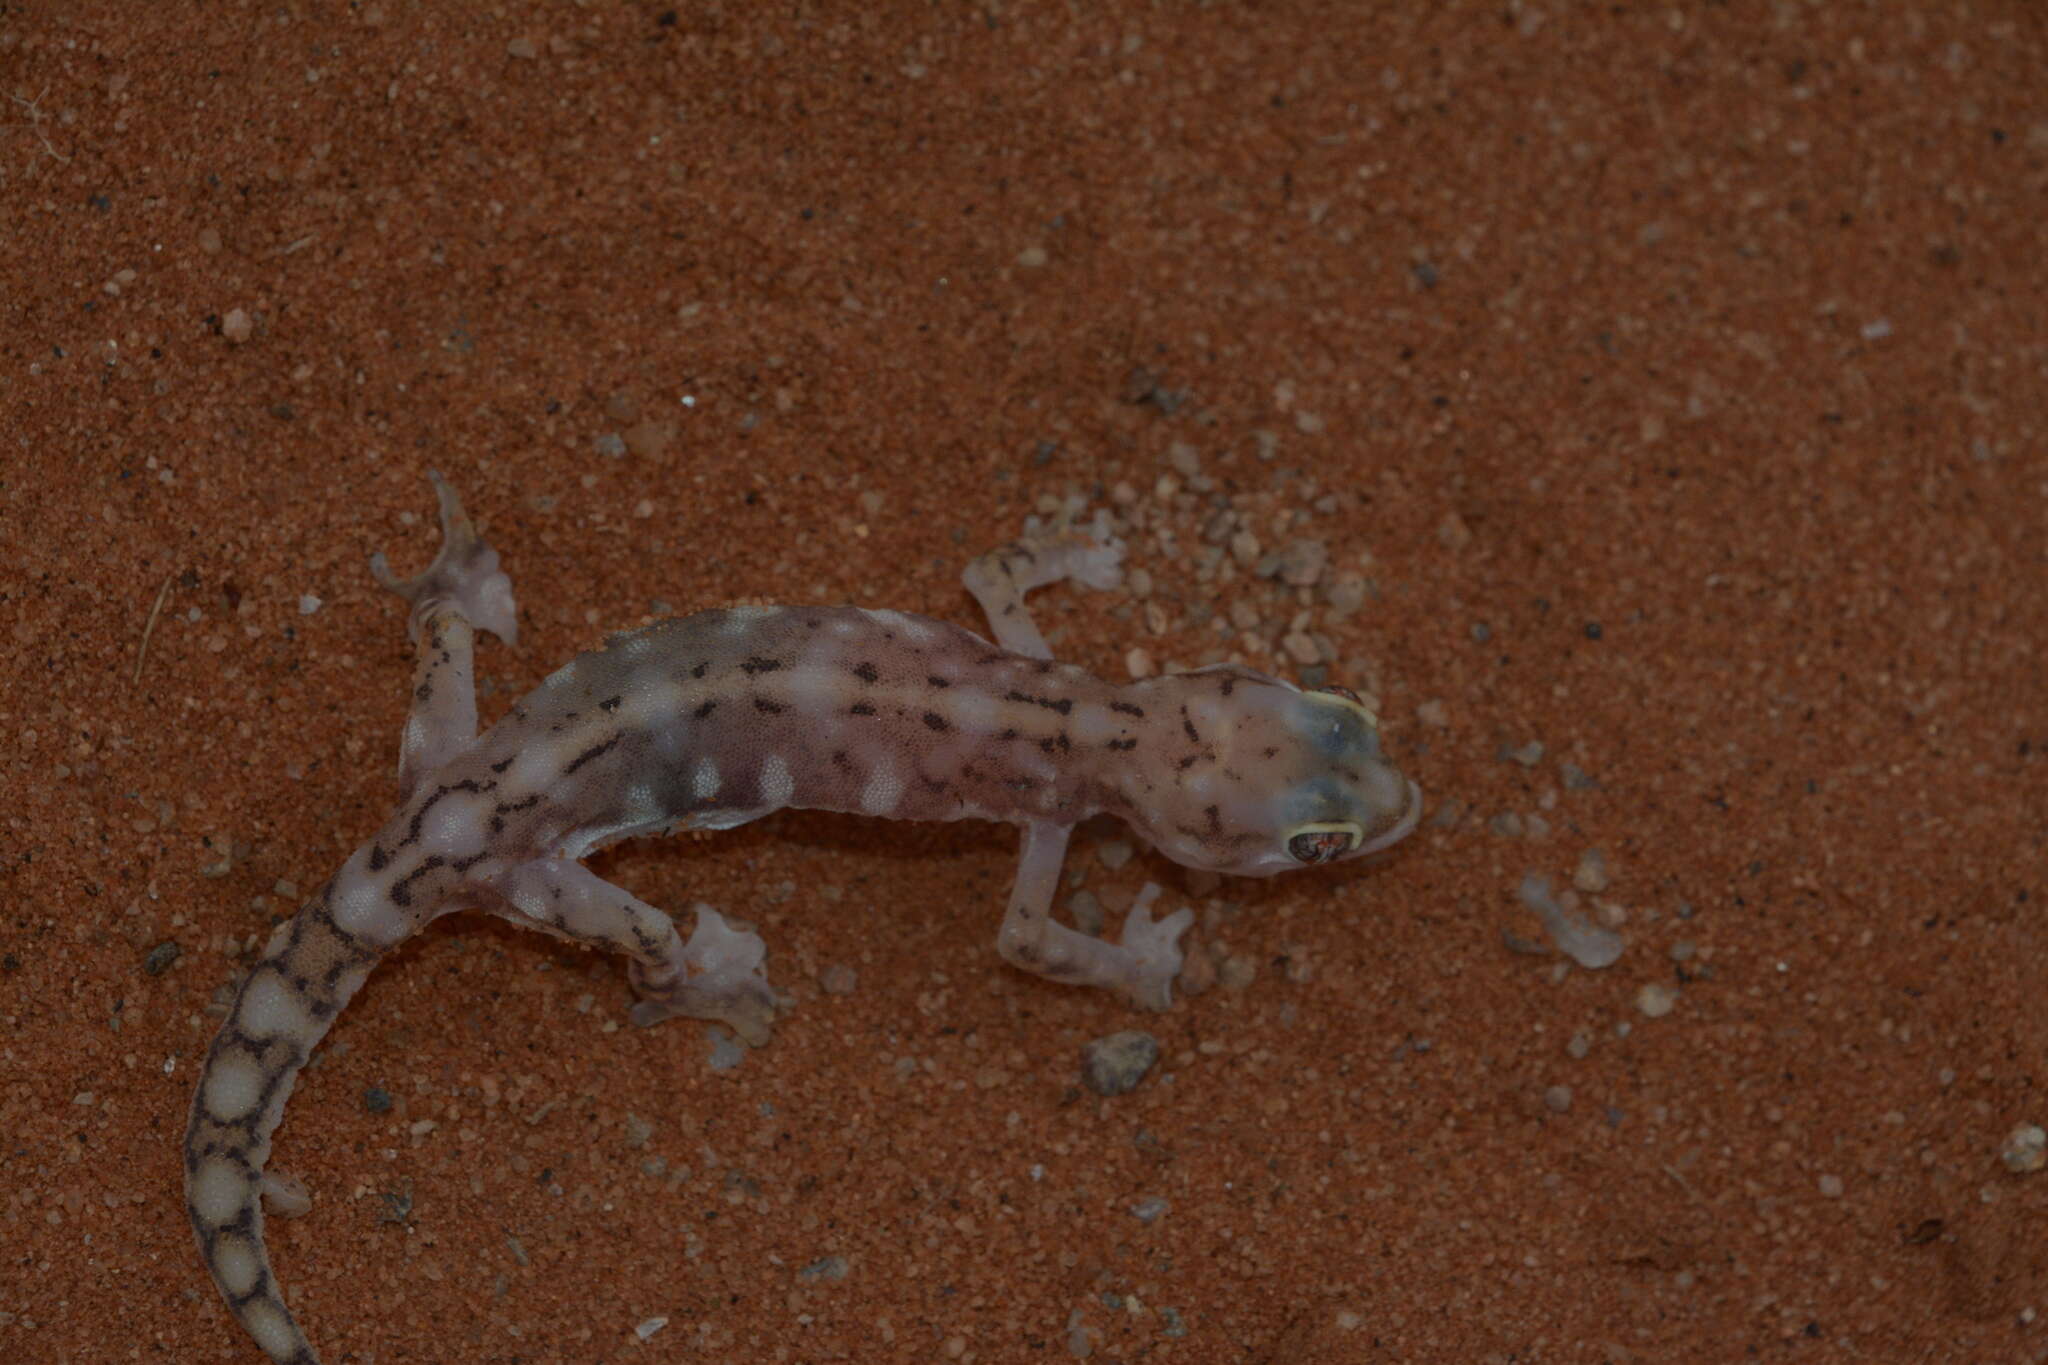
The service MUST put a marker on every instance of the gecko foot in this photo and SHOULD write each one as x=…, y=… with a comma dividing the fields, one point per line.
x=1086, y=553
x=722, y=980
x=464, y=573
x=1154, y=949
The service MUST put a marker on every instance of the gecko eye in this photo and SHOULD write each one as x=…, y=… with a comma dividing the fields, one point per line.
x=1347, y=697
x=1323, y=843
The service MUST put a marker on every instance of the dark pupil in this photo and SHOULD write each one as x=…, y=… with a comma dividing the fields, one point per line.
x=1317, y=848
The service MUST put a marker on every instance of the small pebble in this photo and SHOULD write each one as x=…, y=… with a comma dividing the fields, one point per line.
x=1591, y=873
x=1114, y=1065
x=1149, y=1210
x=236, y=326
x=2025, y=1150
x=1237, y=971
x=1114, y=854
x=826, y=1268
x=1557, y=1099
x=161, y=957
x=1300, y=648
x=838, y=979
x=1656, y=999
x=1831, y=1187
x=1575, y=778
x=1301, y=563
x=727, y=1052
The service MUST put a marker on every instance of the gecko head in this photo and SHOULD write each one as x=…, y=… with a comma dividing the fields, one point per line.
x=1272, y=777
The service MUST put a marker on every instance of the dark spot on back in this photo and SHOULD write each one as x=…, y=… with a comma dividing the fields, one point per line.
x=865, y=671
x=860, y=708
x=934, y=721
x=754, y=663
x=767, y=707
x=1063, y=705
x=594, y=751
x=1127, y=709
x=609, y=704
x=706, y=709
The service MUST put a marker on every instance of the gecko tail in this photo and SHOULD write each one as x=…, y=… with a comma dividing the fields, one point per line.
x=308, y=972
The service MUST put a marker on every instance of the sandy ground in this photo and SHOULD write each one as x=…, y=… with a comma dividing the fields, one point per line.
x=1643, y=402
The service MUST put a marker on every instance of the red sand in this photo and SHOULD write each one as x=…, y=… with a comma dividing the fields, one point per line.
x=1693, y=360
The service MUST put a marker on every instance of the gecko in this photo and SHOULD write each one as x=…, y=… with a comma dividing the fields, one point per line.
x=715, y=719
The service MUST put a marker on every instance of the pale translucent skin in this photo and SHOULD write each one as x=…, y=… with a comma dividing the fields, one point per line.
x=719, y=718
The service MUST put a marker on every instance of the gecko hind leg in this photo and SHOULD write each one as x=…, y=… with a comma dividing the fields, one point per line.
x=999, y=579
x=461, y=591
x=716, y=975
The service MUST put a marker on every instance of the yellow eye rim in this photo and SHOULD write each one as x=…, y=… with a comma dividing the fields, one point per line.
x=1345, y=697
x=1324, y=840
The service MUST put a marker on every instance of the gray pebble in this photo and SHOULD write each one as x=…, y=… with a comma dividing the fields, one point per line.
x=1149, y=1210
x=1575, y=778
x=1114, y=1065
x=826, y=1268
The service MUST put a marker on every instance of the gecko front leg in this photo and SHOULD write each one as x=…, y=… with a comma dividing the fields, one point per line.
x=999, y=579
x=716, y=975
x=1141, y=967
